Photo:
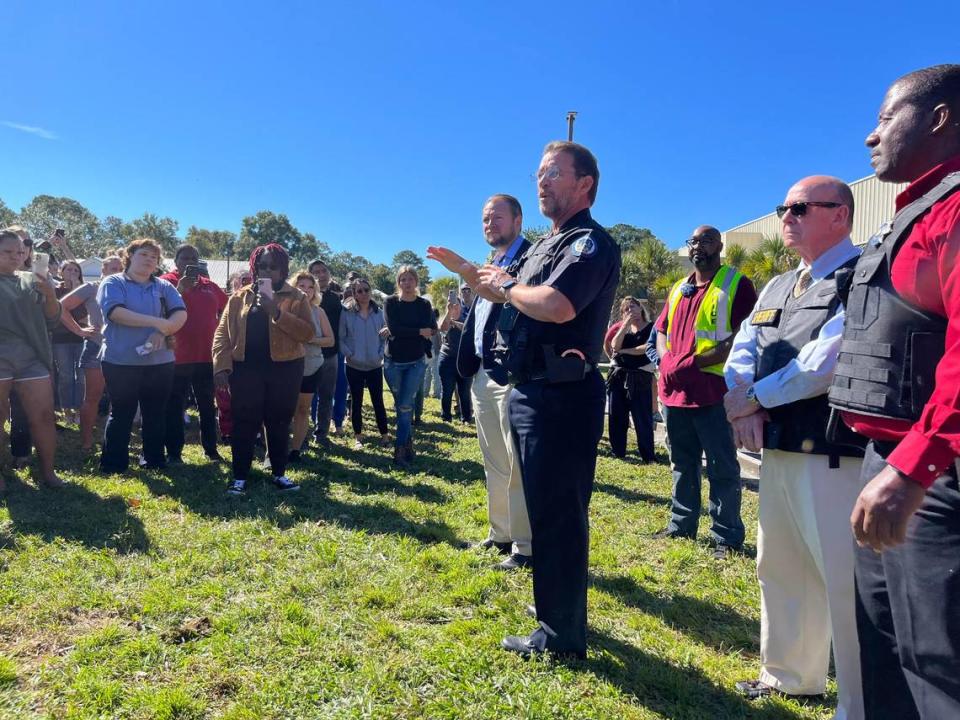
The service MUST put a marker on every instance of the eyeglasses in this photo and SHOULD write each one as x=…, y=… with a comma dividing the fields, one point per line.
x=701, y=240
x=799, y=209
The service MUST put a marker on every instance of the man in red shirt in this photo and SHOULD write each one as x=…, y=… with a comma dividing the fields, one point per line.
x=695, y=334
x=898, y=383
x=193, y=350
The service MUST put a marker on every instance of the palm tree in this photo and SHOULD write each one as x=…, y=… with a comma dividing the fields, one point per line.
x=769, y=259
x=736, y=255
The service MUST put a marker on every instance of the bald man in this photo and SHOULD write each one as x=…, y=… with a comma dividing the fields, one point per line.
x=778, y=374
x=694, y=335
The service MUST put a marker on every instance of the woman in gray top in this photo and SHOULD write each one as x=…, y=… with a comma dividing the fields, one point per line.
x=93, y=383
x=362, y=346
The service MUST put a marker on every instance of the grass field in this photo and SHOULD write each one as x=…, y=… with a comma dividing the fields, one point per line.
x=158, y=596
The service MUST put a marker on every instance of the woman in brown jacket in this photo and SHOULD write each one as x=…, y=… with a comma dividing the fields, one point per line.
x=258, y=351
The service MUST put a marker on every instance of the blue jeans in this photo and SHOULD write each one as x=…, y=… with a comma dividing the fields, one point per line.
x=70, y=379
x=694, y=432
x=404, y=380
x=340, y=393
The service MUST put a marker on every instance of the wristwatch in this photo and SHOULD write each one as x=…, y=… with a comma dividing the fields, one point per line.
x=752, y=396
x=507, y=284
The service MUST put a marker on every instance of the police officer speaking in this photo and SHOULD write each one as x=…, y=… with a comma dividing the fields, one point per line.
x=558, y=298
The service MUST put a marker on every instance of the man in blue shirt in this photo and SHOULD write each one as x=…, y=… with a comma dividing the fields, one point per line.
x=778, y=373
x=509, y=525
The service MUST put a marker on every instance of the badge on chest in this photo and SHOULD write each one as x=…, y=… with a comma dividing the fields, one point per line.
x=766, y=318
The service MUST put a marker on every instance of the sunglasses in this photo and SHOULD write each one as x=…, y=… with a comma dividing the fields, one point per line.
x=799, y=209
x=361, y=291
x=267, y=266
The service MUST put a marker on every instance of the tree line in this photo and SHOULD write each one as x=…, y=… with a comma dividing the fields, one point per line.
x=649, y=269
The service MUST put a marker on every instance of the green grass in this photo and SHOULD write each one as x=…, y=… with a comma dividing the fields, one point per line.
x=157, y=596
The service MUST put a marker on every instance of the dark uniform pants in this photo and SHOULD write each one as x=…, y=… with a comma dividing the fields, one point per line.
x=557, y=429
x=908, y=609
x=198, y=376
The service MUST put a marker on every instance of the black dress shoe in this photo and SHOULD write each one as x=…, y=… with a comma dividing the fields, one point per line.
x=515, y=562
x=526, y=645
x=501, y=547
x=536, y=644
x=668, y=534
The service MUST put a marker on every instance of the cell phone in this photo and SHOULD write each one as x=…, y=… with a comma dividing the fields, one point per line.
x=265, y=287
x=41, y=264
x=59, y=232
x=452, y=296
x=202, y=265
x=191, y=271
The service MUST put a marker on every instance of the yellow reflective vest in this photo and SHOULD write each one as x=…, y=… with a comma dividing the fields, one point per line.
x=713, y=317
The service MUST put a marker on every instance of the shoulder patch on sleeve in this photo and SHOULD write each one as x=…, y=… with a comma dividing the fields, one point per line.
x=584, y=247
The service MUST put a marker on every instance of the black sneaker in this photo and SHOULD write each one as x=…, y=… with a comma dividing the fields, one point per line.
x=284, y=483
x=237, y=487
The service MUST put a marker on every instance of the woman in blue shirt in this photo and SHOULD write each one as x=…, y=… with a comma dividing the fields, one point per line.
x=140, y=312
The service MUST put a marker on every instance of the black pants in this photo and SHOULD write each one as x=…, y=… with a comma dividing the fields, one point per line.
x=557, y=429
x=198, y=376
x=146, y=386
x=908, y=609
x=21, y=444
x=631, y=395
x=373, y=381
x=263, y=396
x=451, y=380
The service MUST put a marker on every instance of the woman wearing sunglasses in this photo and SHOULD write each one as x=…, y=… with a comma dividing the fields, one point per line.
x=258, y=351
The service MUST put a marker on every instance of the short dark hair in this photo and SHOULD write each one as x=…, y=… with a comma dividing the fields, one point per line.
x=934, y=85
x=318, y=261
x=584, y=162
x=181, y=248
x=509, y=200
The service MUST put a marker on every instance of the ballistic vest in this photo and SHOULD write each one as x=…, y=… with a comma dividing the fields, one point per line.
x=891, y=348
x=784, y=324
x=713, y=317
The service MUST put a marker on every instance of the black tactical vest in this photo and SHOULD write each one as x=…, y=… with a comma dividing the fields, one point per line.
x=890, y=348
x=784, y=325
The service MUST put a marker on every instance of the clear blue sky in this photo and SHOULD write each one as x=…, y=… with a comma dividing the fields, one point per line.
x=381, y=126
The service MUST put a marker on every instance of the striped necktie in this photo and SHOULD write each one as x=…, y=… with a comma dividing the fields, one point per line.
x=803, y=283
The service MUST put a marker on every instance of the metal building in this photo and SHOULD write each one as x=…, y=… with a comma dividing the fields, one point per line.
x=873, y=203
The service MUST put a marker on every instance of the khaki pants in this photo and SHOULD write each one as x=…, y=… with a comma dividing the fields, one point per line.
x=506, y=505
x=805, y=563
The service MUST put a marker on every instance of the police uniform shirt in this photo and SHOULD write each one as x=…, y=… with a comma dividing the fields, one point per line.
x=582, y=261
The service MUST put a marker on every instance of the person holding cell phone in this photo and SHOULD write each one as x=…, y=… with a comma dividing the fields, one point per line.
x=193, y=352
x=140, y=312
x=258, y=351
x=28, y=310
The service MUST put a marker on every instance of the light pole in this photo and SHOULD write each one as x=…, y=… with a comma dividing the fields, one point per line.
x=571, y=117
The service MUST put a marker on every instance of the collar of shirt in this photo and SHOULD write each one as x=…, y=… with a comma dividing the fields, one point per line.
x=832, y=259
x=927, y=181
x=506, y=257
x=581, y=219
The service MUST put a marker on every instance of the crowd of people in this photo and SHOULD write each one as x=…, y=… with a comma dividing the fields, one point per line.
x=842, y=371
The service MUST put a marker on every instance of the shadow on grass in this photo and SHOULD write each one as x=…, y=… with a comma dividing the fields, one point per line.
x=630, y=496
x=675, y=692
x=431, y=458
x=191, y=485
x=718, y=626
x=75, y=514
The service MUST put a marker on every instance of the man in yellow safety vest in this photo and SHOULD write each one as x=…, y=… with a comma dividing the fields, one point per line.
x=695, y=332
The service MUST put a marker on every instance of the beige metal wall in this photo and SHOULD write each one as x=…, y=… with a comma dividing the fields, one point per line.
x=873, y=202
